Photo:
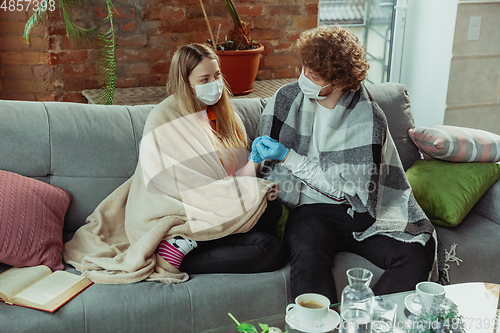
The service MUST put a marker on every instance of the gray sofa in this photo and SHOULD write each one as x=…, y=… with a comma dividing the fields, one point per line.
x=90, y=150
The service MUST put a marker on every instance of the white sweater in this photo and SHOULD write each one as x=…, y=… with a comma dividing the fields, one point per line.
x=315, y=187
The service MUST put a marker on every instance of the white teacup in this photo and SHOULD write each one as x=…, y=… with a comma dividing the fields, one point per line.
x=428, y=293
x=310, y=307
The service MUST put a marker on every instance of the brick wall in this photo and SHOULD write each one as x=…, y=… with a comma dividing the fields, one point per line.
x=148, y=32
x=25, y=69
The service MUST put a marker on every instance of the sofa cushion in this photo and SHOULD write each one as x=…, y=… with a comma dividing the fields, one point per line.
x=200, y=304
x=31, y=221
x=475, y=254
x=93, y=149
x=95, y=141
x=489, y=204
x=249, y=110
x=447, y=191
x=393, y=99
x=24, y=138
x=457, y=144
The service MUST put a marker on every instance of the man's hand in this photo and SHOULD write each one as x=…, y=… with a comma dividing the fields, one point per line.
x=269, y=149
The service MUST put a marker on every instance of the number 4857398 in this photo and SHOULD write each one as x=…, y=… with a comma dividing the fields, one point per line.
x=20, y=5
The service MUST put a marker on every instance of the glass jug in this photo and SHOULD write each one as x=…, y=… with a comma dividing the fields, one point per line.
x=356, y=307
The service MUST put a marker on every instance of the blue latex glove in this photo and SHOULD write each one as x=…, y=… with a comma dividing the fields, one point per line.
x=271, y=150
x=254, y=154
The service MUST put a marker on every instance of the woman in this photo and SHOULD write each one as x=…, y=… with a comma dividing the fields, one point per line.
x=196, y=82
x=340, y=174
x=193, y=194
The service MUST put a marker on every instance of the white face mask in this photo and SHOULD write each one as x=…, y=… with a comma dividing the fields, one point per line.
x=209, y=93
x=310, y=89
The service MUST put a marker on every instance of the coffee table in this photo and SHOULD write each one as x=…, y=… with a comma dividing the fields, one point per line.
x=478, y=302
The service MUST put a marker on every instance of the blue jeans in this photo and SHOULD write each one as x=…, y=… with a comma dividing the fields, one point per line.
x=315, y=233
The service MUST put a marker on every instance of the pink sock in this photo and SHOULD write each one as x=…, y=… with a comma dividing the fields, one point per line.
x=170, y=253
x=175, y=249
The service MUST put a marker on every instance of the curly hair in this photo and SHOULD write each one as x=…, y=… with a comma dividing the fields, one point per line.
x=335, y=54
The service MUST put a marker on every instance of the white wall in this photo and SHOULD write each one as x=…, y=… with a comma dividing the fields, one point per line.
x=427, y=53
x=474, y=86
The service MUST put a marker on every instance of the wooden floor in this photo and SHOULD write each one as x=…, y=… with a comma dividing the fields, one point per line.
x=154, y=95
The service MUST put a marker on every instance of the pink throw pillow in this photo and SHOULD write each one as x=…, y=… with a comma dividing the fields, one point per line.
x=456, y=144
x=31, y=221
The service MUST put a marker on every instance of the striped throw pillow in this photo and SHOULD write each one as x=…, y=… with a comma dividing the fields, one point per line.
x=456, y=144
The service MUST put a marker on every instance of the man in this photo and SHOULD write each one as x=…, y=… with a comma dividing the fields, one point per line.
x=340, y=174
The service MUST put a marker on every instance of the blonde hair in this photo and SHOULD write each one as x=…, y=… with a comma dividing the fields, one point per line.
x=230, y=132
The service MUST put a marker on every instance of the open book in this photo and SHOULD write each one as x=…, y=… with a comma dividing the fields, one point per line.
x=38, y=288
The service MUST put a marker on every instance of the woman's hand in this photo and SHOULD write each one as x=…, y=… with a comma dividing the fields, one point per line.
x=269, y=149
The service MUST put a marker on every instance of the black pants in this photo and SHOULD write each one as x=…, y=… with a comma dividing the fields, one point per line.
x=315, y=233
x=251, y=252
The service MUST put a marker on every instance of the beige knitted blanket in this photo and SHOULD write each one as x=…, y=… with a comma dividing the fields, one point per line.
x=180, y=187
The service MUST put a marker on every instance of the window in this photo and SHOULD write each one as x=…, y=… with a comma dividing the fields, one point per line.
x=379, y=25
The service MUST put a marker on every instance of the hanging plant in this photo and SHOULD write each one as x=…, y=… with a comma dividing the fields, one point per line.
x=81, y=36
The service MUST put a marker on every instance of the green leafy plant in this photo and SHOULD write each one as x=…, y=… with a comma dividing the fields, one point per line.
x=248, y=328
x=238, y=38
x=82, y=36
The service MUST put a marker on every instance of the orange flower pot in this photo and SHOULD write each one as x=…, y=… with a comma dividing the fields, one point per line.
x=240, y=68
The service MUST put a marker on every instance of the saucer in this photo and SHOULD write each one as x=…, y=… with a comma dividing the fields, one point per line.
x=410, y=304
x=327, y=324
x=416, y=308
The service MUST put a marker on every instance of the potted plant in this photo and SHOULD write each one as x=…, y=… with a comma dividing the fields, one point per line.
x=239, y=54
x=81, y=36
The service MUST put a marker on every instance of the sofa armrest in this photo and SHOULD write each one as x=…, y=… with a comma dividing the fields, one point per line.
x=394, y=100
x=489, y=204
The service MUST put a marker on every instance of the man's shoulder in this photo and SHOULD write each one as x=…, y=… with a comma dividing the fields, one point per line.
x=289, y=90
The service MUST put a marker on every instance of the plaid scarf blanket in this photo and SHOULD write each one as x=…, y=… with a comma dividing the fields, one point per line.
x=358, y=155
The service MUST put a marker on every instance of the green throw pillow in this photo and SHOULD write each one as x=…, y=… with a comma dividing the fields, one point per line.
x=447, y=191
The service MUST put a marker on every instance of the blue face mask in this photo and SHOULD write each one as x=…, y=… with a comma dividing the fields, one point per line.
x=310, y=89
